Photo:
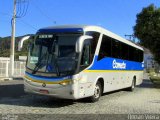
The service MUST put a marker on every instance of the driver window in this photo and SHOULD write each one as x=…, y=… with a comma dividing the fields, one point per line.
x=85, y=60
x=85, y=55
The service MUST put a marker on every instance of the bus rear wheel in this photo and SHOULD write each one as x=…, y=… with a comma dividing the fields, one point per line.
x=132, y=86
x=97, y=92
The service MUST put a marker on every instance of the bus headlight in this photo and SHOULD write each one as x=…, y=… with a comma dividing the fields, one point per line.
x=66, y=82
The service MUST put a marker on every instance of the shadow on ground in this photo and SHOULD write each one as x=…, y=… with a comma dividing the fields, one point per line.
x=37, y=101
x=13, y=94
x=11, y=90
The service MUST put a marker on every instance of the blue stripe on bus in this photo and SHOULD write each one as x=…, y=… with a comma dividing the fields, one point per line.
x=115, y=64
x=35, y=77
x=63, y=30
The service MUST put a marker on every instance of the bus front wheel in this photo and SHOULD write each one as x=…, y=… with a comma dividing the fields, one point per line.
x=97, y=92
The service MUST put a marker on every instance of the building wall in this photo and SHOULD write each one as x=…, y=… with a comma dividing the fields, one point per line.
x=149, y=61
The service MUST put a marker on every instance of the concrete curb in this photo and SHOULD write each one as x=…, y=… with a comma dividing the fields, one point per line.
x=5, y=79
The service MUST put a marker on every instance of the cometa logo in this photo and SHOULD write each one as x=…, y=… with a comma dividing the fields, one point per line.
x=117, y=65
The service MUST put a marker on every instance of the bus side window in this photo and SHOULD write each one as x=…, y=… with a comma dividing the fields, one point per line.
x=131, y=53
x=86, y=57
x=124, y=51
x=105, y=48
x=116, y=49
x=85, y=61
x=140, y=56
x=94, y=43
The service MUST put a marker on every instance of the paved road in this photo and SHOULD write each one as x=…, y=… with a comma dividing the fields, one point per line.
x=144, y=100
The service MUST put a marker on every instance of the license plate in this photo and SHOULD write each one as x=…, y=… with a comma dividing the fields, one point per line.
x=44, y=91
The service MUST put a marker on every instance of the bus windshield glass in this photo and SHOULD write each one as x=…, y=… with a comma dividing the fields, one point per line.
x=53, y=55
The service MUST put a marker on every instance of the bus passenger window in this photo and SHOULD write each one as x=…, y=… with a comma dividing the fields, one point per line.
x=124, y=51
x=116, y=49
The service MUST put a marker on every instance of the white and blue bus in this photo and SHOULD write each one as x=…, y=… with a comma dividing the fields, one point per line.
x=74, y=62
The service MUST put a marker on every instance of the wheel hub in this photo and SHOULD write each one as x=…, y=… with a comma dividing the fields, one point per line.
x=97, y=91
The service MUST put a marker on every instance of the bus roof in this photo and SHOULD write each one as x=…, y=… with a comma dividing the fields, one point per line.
x=84, y=28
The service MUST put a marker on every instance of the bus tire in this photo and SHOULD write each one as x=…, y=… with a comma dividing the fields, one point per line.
x=132, y=86
x=97, y=92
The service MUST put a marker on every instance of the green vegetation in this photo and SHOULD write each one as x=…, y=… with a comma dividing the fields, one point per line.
x=5, y=47
x=154, y=76
x=147, y=29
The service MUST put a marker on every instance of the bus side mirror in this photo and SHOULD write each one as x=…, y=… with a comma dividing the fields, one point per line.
x=79, y=43
x=20, y=43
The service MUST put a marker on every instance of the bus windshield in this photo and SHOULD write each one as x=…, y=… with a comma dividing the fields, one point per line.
x=53, y=55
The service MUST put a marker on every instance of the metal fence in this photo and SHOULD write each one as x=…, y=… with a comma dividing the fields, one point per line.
x=4, y=68
x=19, y=68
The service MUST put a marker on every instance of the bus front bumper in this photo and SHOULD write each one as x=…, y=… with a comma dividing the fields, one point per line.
x=55, y=90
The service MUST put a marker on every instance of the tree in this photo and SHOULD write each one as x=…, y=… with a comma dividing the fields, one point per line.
x=5, y=47
x=147, y=29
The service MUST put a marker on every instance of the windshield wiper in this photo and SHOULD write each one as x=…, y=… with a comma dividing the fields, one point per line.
x=38, y=64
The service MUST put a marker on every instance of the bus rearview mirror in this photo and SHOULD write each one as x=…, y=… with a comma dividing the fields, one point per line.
x=79, y=43
x=20, y=43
